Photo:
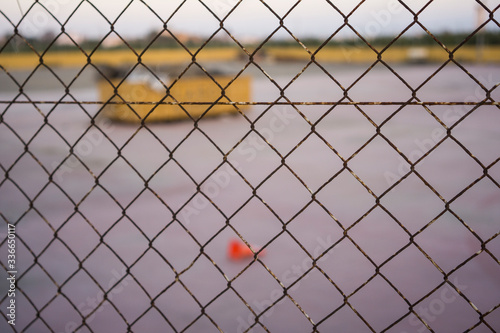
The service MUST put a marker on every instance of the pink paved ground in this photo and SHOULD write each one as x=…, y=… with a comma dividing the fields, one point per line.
x=448, y=170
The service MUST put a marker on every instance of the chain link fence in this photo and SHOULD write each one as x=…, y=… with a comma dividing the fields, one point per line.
x=365, y=188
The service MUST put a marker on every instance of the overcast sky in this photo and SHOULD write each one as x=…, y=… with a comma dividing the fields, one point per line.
x=251, y=18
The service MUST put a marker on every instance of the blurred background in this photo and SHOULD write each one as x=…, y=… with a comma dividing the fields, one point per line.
x=357, y=143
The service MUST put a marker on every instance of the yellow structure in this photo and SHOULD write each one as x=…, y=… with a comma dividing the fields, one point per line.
x=354, y=55
x=328, y=54
x=137, y=100
x=75, y=58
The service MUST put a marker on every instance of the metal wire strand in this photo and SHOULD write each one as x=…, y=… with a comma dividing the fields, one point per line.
x=251, y=59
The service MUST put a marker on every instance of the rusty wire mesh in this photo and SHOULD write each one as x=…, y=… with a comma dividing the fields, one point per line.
x=38, y=322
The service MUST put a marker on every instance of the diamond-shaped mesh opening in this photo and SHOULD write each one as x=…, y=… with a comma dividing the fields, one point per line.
x=249, y=166
x=468, y=169
x=448, y=244
x=344, y=140
x=378, y=235
x=217, y=312
x=179, y=254
x=447, y=303
x=212, y=285
x=345, y=199
x=420, y=128
x=368, y=89
x=313, y=287
x=485, y=195
x=466, y=275
x=367, y=301
x=346, y=260
x=404, y=267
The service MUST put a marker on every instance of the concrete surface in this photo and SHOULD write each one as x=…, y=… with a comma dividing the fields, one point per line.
x=129, y=217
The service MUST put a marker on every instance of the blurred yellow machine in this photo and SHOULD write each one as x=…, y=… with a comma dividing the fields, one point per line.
x=145, y=88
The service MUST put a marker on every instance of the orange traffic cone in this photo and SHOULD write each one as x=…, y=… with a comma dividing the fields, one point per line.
x=238, y=250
